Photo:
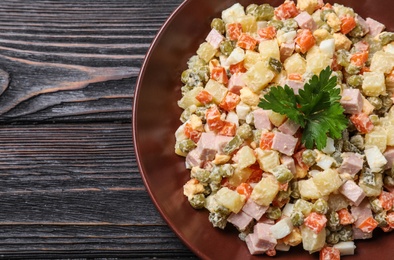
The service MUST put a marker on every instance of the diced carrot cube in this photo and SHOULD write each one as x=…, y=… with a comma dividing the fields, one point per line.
x=390, y=219
x=237, y=68
x=362, y=123
x=345, y=218
x=330, y=253
x=219, y=74
x=234, y=30
x=191, y=133
x=230, y=101
x=244, y=189
x=368, y=225
x=286, y=10
x=359, y=58
x=213, y=117
x=348, y=24
x=228, y=129
x=305, y=40
x=386, y=229
x=267, y=33
x=204, y=97
x=387, y=200
x=256, y=175
x=315, y=221
x=294, y=76
x=364, y=69
x=266, y=140
x=246, y=42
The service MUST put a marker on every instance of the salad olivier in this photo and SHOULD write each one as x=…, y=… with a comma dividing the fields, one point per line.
x=288, y=126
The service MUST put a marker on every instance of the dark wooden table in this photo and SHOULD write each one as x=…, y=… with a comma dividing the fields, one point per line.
x=69, y=181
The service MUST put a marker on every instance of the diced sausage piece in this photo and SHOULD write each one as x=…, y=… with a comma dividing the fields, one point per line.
x=236, y=83
x=363, y=24
x=288, y=162
x=221, y=141
x=389, y=155
x=264, y=238
x=352, y=101
x=289, y=127
x=352, y=163
x=192, y=159
x=305, y=21
x=250, y=243
x=254, y=210
x=295, y=85
x=284, y=143
x=352, y=192
x=241, y=220
x=361, y=212
x=214, y=38
x=286, y=50
x=361, y=46
x=207, y=146
x=359, y=234
x=261, y=119
x=374, y=26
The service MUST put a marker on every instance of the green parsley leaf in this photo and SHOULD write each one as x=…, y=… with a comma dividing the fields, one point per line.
x=316, y=108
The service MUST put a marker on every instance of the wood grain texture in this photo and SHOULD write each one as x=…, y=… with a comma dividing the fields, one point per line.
x=69, y=181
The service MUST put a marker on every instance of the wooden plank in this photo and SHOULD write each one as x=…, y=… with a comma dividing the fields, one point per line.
x=75, y=189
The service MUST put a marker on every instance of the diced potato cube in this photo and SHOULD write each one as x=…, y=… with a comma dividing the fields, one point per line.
x=307, y=5
x=321, y=35
x=311, y=241
x=327, y=181
x=269, y=49
x=251, y=58
x=231, y=14
x=390, y=135
x=377, y=137
x=245, y=157
x=374, y=84
x=248, y=22
x=192, y=187
x=248, y=97
x=206, y=51
x=230, y=199
x=276, y=118
x=239, y=176
x=333, y=21
x=316, y=60
x=294, y=238
x=375, y=158
x=308, y=189
x=258, y=77
x=345, y=248
x=295, y=64
x=265, y=191
x=342, y=42
x=217, y=90
x=210, y=203
x=267, y=159
x=189, y=98
x=382, y=62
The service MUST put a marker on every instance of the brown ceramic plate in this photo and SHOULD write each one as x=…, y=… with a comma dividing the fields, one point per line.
x=156, y=117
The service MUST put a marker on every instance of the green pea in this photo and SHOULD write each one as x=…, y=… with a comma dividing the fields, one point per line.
x=226, y=47
x=244, y=131
x=186, y=145
x=217, y=220
x=278, y=24
x=320, y=206
x=386, y=37
x=309, y=157
x=354, y=80
x=197, y=201
x=333, y=221
x=185, y=76
x=381, y=218
x=333, y=238
x=264, y=12
x=273, y=213
x=233, y=145
x=376, y=102
x=303, y=206
x=202, y=175
x=219, y=25
x=346, y=233
x=251, y=9
x=282, y=174
x=297, y=218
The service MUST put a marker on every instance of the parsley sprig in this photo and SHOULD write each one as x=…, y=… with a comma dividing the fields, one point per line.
x=316, y=108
